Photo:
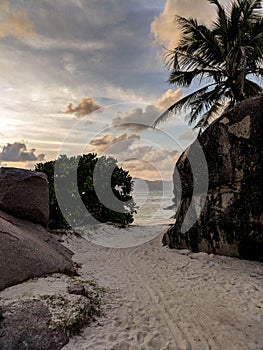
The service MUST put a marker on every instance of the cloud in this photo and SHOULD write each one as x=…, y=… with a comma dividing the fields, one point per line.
x=138, y=152
x=166, y=32
x=43, y=42
x=136, y=166
x=188, y=135
x=139, y=119
x=157, y=156
x=86, y=106
x=104, y=55
x=168, y=98
x=17, y=152
x=68, y=63
x=78, y=50
x=14, y=23
x=174, y=154
x=112, y=144
x=136, y=155
x=148, y=162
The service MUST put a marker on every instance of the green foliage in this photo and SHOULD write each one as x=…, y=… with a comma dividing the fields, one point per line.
x=64, y=167
x=73, y=315
x=227, y=58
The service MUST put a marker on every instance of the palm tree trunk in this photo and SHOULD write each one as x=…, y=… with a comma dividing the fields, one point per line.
x=237, y=69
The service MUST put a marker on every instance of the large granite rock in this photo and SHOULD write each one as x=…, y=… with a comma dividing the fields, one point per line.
x=27, y=250
x=24, y=194
x=231, y=220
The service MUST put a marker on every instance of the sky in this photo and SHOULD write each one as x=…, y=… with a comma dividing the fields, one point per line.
x=82, y=76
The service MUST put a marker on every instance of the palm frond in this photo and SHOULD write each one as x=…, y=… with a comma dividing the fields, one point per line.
x=221, y=25
x=251, y=88
x=181, y=58
x=204, y=102
x=211, y=114
x=224, y=55
x=258, y=72
x=198, y=40
x=256, y=30
x=256, y=40
x=250, y=9
x=234, y=22
x=185, y=78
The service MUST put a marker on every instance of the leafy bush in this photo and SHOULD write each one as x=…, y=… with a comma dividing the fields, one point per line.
x=72, y=315
x=121, y=210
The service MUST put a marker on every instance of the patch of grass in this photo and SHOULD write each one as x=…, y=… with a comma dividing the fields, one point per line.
x=73, y=312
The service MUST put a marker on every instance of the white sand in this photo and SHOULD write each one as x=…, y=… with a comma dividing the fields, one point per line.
x=160, y=298
x=168, y=299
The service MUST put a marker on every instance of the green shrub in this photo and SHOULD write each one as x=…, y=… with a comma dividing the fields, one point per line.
x=73, y=313
x=121, y=186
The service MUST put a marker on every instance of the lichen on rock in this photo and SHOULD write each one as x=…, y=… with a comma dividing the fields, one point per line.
x=44, y=314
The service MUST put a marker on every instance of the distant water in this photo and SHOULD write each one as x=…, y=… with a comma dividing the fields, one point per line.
x=151, y=206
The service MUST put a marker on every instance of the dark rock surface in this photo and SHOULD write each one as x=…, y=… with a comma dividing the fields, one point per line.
x=78, y=289
x=27, y=250
x=231, y=221
x=25, y=326
x=24, y=194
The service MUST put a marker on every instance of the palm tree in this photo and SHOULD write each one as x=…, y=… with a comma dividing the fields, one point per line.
x=227, y=58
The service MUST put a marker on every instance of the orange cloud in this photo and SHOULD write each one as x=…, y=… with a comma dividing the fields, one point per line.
x=169, y=98
x=144, y=169
x=166, y=32
x=139, y=119
x=136, y=119
x=136, y=156
x=86, y=106
x=112, y=144
x=14, y=23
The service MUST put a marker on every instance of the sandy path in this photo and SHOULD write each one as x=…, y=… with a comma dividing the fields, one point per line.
x=163, y=299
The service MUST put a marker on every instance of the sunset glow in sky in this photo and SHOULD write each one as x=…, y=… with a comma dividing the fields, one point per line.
x=88, y=76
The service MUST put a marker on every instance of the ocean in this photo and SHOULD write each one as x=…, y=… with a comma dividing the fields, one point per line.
x=151, y=204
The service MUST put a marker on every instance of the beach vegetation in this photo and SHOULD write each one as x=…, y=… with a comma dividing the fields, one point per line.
x=73, y=313
x=221, y=64
x=81, y=184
